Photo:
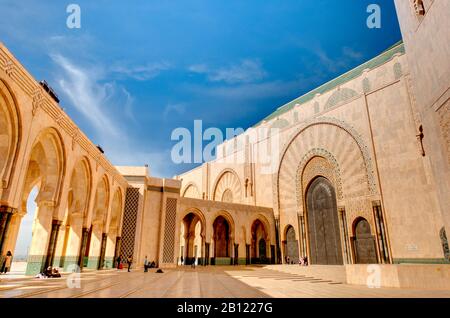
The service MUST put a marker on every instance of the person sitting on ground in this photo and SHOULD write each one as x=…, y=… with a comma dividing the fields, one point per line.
x=49, y=272
x=153, y=264
x=55, y=273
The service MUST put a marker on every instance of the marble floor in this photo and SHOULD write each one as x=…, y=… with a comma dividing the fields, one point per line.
x=202, y=282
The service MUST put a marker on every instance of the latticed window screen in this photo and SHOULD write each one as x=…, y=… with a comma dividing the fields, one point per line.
x=169, y=230
x=129, y=222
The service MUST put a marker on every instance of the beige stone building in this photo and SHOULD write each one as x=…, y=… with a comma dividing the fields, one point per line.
x=358, y=173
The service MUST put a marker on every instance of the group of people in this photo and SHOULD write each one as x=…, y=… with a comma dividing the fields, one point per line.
x=5, y=266
x=129, y=262
x=192, y=263
x=120, y=264
x=148, y=265
x=49, y=273
x=302, y=261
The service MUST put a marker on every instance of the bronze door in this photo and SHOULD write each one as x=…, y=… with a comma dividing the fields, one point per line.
x=291, y=245
x=323, y=223
x=365, y=251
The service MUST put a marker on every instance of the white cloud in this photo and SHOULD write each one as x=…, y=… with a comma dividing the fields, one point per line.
x=247, y=71
x=140, y=72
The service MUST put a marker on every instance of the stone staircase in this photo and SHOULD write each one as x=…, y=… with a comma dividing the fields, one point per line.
x=326, y=273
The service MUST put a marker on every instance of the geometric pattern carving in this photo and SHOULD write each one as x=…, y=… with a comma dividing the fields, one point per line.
x=129, y=222
x=419, y=7
x=169, y=230
x=339, y=96
x=398, y=70
x=444, y=123
x=228, y=180
x=317, y=162
x=332, y=133
x=280, y=123
x=366, y=85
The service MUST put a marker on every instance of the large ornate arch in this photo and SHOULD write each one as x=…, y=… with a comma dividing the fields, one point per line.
x=191, y=190
x=329, y=138
x=10, y=134
x=228, y=179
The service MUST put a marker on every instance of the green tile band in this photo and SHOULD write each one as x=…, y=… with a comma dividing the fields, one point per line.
x=93, y=262
x=35, y=264
x=420, y=261
x=108, y=263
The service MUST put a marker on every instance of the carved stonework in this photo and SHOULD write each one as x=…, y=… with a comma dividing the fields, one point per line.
x=366, y=85
x=419, y=7
x=325, y=165
x=398, y=72
x=37, y=101
x=444, y=123
x=9, y=68
x=444, y=242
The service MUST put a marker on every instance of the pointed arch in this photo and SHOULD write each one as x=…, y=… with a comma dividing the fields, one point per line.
x=46, y=167
x=191, y=190
x=10, y=134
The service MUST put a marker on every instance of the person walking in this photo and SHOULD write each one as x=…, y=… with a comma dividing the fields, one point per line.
x=119, y=260
x=145, y=265
x=8, y=261
x=129, y=261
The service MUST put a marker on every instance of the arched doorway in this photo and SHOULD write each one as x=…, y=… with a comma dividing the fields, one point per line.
x=259, y=243
x=44, y=173
x=191, y=240
x=97, y=237
x=76, y=213
x=222, y=241
x=291, y=247
x=323, y=224
x=364, y=243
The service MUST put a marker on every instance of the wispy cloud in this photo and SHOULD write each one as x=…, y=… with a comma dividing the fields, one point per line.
x=179, y=108
x=86, y=93
x=140, y=72
x=351, y=53
x=247, y=71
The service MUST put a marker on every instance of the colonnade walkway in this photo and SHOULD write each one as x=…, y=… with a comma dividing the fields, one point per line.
x=201, y=282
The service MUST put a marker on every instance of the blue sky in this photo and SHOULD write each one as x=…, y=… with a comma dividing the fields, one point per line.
x=133, y=73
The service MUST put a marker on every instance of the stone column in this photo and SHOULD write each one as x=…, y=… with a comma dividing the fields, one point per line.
x=56, y=224
x=84, y=245
x=101, y=262
x=5, y=219
x=207, y=255
x=110, y=250
x=42, y=229
x=73, y=244
x=95, y=246
x=117, y=249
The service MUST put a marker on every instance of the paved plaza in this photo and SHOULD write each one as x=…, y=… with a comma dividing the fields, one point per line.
x=202, y=282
